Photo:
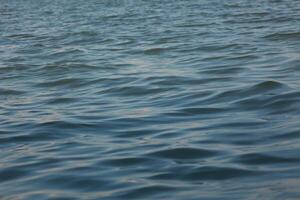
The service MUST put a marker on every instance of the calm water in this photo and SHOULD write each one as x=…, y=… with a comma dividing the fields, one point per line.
x=149, y=99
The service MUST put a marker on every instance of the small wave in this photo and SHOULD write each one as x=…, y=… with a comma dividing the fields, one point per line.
x=283, y=36
x=62, y=125
x=184, y=153
x=145, y=191
x=224, y=70
x=210, y=48
x=135, y=91
x=218, y=173
x=75, y=182
x=71, y=82
x=61, y=100
x=67, y=67
x=12, y=174
x=196, y=111
x=269, y=85
x=155, y=51
x=21, y=36
x=5, y=92
x=149, y=99
x=262, y=159
x=287, y=135
x=123, y=162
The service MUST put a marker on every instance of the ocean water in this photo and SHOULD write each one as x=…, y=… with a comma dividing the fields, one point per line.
x=149, y=99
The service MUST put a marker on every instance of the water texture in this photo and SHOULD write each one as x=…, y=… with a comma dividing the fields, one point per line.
x=156, y=99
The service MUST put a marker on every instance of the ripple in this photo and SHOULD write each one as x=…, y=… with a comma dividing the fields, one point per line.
x=288, y=135
x=268, y=85
x=260, y=159
x=27, y=138
x=125, y=161
x=154, y=51
x=73, y=82
x=6, y=91
x=184, y=153
x=218, y=173
x=21, y=36
x=284, y=36
x=76, y=182
x=61, y=100
x=12, y=174
x=149, y=99
x=196, y=111
x=147, y=191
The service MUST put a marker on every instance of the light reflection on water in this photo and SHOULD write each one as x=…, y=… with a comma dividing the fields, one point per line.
x=150, y=99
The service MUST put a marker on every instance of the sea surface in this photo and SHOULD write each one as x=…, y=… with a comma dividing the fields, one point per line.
x=149, y=99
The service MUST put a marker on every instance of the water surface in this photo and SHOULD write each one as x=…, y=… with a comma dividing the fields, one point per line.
x=136, y=99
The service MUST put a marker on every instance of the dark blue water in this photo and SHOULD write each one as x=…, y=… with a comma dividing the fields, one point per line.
x=136, y=99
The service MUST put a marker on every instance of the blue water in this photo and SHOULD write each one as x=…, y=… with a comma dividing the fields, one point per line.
x=156, y=99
